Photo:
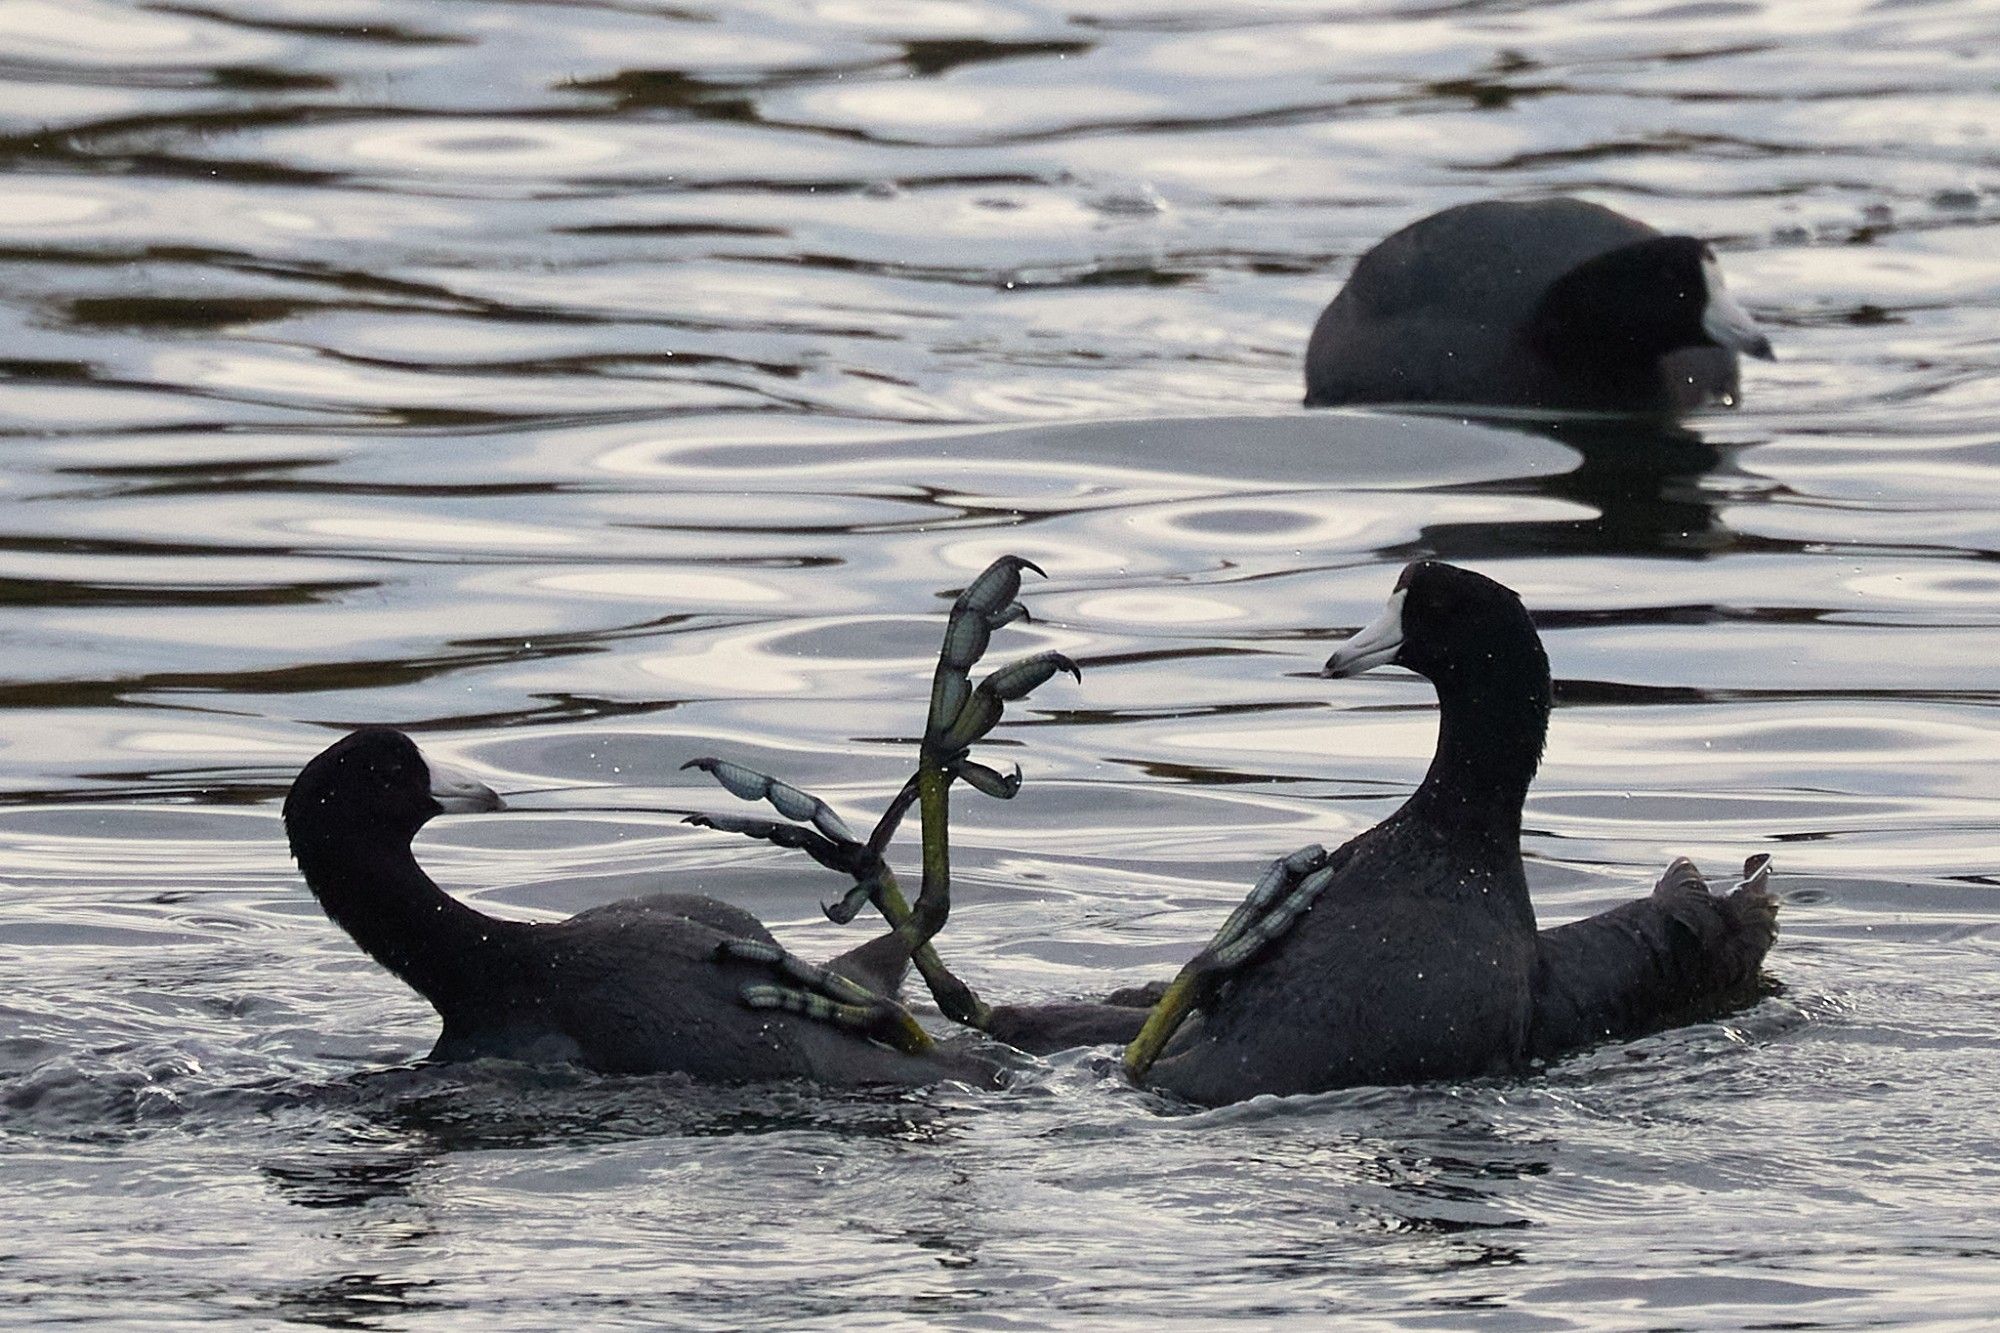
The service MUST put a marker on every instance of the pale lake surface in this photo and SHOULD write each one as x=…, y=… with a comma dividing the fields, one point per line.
x=590, y=386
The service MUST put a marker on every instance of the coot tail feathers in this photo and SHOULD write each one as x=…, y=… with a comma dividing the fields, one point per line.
x=1681, y=954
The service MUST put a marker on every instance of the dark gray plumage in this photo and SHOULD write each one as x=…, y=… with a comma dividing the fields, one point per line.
x=628, y=988
x=1059, y=1025
x=1554, y=304
x=1680, y=955
x=1419, y=959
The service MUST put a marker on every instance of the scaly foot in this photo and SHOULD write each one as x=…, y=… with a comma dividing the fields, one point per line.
x=1281, y=895
x=824, y=996
x=960, y=715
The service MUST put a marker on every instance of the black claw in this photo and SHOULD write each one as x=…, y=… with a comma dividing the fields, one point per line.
x=1004, y=786
x=1019, y=679
x=986, y=604
x=848, y=906
x=996, y=586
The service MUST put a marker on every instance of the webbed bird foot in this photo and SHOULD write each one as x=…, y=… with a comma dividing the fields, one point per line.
x=824, y=996
x=1280, y=897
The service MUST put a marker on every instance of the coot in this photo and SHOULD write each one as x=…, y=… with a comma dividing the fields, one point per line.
x=1411, y=951
x=1550, y=304
x=668, y=983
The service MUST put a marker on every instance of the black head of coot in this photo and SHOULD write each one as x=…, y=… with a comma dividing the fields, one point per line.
x=1444, y=623
x=1642, y=301
x=375, y=784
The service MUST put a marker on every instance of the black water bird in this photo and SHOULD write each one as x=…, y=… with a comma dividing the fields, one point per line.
x=1552, y=304
x=1408, y=953
x=668, y=983
x=1411, y=951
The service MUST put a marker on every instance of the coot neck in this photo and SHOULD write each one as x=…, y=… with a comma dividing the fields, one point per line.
x=380, y=896
x=1493, y=716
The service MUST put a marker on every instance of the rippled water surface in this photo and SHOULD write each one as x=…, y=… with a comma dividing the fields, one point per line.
x=590, y=386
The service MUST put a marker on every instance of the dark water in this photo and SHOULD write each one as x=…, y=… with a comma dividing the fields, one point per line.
x=591, y=386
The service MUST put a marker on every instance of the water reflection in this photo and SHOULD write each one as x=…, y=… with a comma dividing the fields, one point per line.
x=355, y=1300
x=404, y=1122
x=1650, y=488
x=348, y=1179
